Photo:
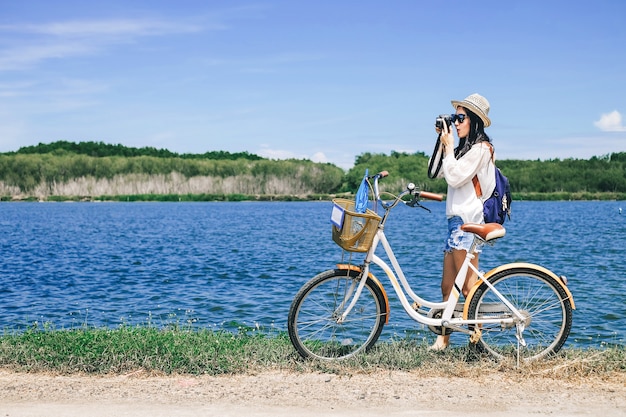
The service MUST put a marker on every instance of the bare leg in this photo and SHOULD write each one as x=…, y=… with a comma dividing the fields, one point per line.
x=452, y=262
x=471, y=277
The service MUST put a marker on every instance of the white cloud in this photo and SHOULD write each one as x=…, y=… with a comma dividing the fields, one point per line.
x=110, y=27
x=266, y=152
x=28, y=55
x=75, y=38
x=319, y=157
x=610, y=122
x=269, y=153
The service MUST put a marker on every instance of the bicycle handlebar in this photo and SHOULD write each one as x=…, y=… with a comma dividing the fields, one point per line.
x=411, y=189
x=431, y=196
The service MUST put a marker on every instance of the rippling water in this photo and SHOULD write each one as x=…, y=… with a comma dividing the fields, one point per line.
x=223, y=265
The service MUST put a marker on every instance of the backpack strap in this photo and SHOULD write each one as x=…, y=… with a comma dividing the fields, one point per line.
x=477, y=188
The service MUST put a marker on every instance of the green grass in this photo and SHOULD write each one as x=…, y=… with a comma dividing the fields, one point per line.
x=184, y=351
x=131, y=348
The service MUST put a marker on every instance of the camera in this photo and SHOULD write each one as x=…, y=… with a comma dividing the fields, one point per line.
x=441, y=119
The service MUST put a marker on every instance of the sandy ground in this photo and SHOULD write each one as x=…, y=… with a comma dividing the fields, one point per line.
x=282, y=394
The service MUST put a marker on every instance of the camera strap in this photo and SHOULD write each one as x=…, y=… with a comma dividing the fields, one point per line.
x=436, y=160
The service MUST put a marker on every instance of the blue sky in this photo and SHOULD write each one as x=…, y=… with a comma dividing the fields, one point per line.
x=323, y=80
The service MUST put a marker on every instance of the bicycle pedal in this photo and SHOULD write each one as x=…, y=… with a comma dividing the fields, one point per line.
x=475, y=336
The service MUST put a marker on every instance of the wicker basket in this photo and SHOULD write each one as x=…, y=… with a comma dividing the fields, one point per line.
x=358, y=229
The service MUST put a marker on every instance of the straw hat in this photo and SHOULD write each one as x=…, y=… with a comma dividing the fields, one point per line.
x=476, y=104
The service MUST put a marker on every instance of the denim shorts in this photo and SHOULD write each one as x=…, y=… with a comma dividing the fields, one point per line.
x=458, y=239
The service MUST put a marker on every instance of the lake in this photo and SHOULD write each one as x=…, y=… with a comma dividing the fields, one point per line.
x=230, y=265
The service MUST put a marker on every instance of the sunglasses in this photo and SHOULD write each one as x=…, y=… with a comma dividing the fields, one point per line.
x=460, y=117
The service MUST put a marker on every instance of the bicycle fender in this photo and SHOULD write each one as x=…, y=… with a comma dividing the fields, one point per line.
x=376, y=282
x=515, y=265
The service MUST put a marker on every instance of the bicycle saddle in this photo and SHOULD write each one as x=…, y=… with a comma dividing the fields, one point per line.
x=487, y=232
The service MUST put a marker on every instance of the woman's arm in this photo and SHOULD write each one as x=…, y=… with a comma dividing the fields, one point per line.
x=458, y=172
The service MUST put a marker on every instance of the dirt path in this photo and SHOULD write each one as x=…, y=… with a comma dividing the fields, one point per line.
x=306, y=394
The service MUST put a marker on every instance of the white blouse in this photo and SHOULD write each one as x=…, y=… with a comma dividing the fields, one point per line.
x=461, y=199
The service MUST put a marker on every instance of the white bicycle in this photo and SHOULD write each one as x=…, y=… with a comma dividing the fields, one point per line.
x=517, y=310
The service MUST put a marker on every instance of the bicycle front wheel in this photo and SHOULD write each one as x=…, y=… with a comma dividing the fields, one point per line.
x=315, y=323
x=543, y=302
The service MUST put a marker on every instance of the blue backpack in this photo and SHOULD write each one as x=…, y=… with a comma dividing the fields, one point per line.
x=498, y=206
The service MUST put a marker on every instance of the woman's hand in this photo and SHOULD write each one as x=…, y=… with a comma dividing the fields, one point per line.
x=447, y=140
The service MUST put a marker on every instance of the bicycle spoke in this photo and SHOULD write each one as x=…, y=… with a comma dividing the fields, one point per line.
x=538, y=298
x=315, y=323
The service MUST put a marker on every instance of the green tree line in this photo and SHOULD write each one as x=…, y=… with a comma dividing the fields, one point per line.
x=605, y=174
x=100, y=149
x=29, y=171
x=62, y=161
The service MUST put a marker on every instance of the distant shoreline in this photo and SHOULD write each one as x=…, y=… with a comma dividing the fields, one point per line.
x=534, y=196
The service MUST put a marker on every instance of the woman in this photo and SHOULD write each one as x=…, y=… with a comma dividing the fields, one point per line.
x=473, y=157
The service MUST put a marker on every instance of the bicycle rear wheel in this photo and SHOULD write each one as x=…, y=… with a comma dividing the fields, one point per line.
x=543, y=302
x=314, y=324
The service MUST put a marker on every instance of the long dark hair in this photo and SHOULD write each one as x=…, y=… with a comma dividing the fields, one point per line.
x=476, y=134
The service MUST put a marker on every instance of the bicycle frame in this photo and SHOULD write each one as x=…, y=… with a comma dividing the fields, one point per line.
x=342, y=311
x=402, y=288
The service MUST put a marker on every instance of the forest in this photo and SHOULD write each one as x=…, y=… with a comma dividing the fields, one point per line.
x=605, y=174
x=94, y=170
